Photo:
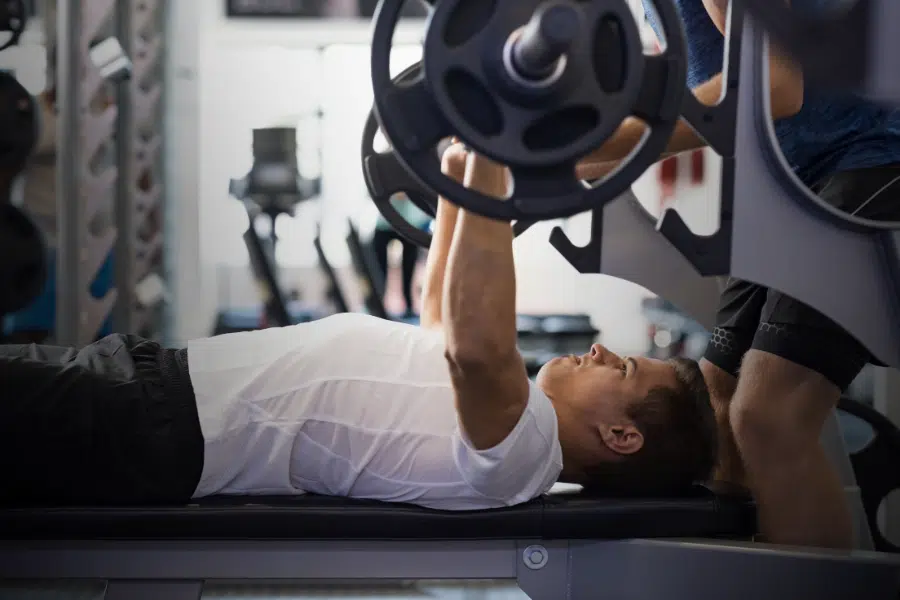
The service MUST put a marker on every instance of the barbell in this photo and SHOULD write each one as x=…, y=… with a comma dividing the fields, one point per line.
x=536, y=85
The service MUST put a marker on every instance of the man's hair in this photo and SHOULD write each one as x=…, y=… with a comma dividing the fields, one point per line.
x=680, y=440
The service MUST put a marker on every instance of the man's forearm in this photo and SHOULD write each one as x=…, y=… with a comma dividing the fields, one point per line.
x=436, y=264
x=607, y=158
x=631, y=131
x=480, y=291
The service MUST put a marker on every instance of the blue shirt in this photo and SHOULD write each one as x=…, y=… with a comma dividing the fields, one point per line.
x=833, y=131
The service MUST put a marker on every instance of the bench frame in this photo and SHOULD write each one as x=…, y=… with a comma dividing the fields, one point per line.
x=639, y=569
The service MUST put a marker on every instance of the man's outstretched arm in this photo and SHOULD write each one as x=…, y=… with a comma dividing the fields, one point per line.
x=453, y=164
x=488, y=373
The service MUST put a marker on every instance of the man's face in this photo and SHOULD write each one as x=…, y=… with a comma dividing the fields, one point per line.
x=592, y=393
x=600, y=376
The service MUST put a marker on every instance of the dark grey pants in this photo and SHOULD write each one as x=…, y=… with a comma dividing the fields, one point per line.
x=112, y=423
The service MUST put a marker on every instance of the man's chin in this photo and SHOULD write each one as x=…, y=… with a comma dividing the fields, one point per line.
x=543, y=374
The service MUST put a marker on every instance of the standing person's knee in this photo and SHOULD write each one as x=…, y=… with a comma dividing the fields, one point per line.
x=719, y=367
x=721, y=384
x=779, y=407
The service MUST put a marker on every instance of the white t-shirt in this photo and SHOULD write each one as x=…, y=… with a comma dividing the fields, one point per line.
x=361, y=407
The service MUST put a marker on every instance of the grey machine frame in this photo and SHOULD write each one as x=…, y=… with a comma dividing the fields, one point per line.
x=771, y=211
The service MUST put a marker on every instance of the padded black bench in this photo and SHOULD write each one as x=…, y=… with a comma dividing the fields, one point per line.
x=559, y=547
x=699, y=513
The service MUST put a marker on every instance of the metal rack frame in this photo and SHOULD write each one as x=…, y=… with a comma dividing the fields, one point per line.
x=108, y=164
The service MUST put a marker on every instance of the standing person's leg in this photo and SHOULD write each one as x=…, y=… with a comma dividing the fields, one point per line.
x=791, y=379
x=771, y=412
x=410, y=259
x=381, y=240
x=114, y=422
x=737, y=320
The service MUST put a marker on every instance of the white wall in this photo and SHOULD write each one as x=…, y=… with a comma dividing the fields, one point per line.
x=232, y=76
x=183, y=154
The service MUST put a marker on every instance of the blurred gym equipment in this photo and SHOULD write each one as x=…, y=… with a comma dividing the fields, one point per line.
x=273, y=188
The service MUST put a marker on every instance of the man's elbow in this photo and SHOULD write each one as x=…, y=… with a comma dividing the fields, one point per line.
x=468, y=360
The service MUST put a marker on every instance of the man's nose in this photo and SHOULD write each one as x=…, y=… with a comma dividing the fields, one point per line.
x=601, y=354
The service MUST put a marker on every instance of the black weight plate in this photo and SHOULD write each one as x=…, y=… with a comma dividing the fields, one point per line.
x=12, y=21
x=385, y=176
x=412, y=119
x=23, y=268
x=18, y=124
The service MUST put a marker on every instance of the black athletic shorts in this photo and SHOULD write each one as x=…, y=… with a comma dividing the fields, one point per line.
x=113, y=423
x=752, y=316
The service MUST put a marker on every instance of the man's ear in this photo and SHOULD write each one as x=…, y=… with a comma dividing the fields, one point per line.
x=622, y=439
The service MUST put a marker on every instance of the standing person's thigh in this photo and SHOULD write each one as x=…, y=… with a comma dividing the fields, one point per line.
x=798, y=334
x=737, y=320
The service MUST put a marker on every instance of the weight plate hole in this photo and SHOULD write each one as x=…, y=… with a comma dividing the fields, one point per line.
x=473, y=102
x=467, y=19
x=560, y=128
x=858, y=434
x=610, y=54
x=891, y=502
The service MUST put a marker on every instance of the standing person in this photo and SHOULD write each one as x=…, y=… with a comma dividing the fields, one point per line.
x=381, y=240
x=776, y=367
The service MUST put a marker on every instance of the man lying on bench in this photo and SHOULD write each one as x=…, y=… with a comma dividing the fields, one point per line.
x=441, y=415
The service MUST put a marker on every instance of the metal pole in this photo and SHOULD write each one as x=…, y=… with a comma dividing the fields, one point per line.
x=85, y=181
x=139, y=265
x=125, y=208
x=70, y=257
